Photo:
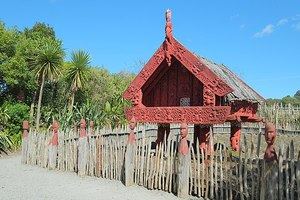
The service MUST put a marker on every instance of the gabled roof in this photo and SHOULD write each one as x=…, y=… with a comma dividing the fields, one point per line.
x=241, y=91
x=219, y=79
x=188, y=60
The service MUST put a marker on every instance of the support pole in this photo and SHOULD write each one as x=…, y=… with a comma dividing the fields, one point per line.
x=202, y=133
x=162, y=131
x=129, y=155
x=184, y=162
x=235, y=135
x=53, y=146
x=25, y=142
x=82, y=149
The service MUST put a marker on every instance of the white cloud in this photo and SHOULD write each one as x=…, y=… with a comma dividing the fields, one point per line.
x=296, y=17
x=282, y=22
x=232, y=17
x=267, y=30
x=296, y=26
x=242, y=26
x=270, y=28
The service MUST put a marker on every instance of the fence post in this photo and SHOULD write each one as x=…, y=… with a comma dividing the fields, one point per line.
x=82, y=149
x=129, y=155
x=53, y=146
x=270, y=178
x=184, y=162
x=25, y=142
x=92, y=131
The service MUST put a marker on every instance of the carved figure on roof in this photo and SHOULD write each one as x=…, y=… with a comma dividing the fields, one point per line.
x=168, y=28
x=168, y=41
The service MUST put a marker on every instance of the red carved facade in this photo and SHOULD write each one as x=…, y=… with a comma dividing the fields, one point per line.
x=176, y=86
x=193, y=115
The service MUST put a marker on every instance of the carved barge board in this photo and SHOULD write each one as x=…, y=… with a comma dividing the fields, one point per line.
x=193, y=115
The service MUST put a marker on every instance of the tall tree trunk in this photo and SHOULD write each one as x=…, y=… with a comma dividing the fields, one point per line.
x=72, y=101
x=38, y=113
x=32, y=107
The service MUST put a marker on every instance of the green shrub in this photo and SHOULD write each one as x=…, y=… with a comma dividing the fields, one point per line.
x=18, y=112
x=5, y=141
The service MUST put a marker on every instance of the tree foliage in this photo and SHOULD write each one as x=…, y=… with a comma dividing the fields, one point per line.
x=287, y=100
x=26, y=58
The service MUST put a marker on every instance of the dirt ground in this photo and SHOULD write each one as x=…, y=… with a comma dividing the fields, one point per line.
x=24, y=182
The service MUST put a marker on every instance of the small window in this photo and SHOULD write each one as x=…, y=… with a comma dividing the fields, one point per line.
x=185, y=101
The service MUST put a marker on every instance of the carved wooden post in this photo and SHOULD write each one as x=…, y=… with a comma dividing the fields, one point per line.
x=82, y=149
x=53, y=146
x=25, y=142
x=202, y=133
x=271, y=159
x=184, y=161
x=92, y=128
x=270, y=136
x=129, y=155
x=235, y=135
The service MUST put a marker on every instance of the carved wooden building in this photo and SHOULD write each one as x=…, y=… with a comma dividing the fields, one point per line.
x=178, y=86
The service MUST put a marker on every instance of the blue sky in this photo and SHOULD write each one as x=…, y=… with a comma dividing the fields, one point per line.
x=258, y=40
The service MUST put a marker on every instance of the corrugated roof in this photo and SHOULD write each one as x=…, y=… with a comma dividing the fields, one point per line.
x=242, y=91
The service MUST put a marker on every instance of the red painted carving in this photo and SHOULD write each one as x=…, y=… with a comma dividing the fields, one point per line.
x=137, y=99
x=200, y=70
x=193, y=115
x=131, y=136
x=169, y=38
x=208, y=97
x=243, y=111
x=82, y=128
x=244, y=108
x=92, y=127
x=145, y=74
x=183, y=144
x=54, y=139
x=202, y=133
x=25, y=129
x=169, y=28
x=270, y=136
x=235, y=135
x=171, y=47
x=163, y=132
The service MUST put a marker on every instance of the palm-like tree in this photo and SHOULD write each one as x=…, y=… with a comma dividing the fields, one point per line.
x=47, y=62
x=77, y=73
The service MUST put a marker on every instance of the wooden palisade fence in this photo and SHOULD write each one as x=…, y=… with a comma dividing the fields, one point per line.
x=220, y=175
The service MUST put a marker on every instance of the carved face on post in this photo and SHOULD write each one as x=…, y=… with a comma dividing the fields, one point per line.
x=82, y=123
x=132, y=123
x=25, y=125
x=183, y=130
x=92, y=124
x=55, y=126
x=25, y=129
x=270, y=133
